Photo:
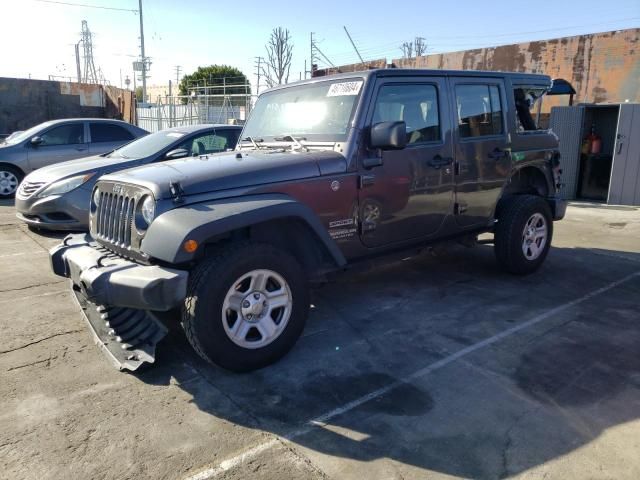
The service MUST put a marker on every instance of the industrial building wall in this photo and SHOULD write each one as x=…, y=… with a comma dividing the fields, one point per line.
x=602, y=67
x=25, y=102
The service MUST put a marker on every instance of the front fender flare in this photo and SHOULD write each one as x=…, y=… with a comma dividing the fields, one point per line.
x=206, y=220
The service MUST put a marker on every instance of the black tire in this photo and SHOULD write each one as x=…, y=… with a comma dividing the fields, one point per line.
x=514, y=213
x=8, y=170
x=209, y=283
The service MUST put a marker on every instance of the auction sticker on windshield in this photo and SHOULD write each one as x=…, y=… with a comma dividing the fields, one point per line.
x=344, y=88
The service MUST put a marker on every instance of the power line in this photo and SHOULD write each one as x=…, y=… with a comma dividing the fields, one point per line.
x=87, y=5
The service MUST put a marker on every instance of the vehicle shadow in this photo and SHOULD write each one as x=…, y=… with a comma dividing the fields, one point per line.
x=498, y=411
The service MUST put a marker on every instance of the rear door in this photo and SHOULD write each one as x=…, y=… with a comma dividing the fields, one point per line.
x=482, y=149
x=104, y=137
x=59, y=143
x=411, y=193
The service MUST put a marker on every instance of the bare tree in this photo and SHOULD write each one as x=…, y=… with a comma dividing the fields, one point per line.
x=416, y=48
x=279, y=52
x=407, y=49
x=420, y=46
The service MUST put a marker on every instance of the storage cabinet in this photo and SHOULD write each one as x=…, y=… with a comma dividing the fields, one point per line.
x=613, y=174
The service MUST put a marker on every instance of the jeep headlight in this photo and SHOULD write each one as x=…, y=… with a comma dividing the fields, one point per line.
x=65, y=186
x=148, y=209
x=96, y=198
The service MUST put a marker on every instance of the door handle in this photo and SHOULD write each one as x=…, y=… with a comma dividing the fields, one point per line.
x=80, y=149
x=497, y=154
x=439, y=161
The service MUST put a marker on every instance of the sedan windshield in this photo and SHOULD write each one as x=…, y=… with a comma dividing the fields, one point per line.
x=315, y=112
x=32, y=132
x=147, y=145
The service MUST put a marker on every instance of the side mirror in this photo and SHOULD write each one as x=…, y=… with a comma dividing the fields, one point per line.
x=35, y=141
x=177, y=153
x=389, y=135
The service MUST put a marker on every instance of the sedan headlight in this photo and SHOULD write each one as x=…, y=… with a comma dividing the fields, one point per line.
x=65, y=186
x=148, y=209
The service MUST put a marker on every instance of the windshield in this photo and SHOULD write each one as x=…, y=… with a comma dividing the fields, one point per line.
x=314, y=112
x=147, y=145
x=18, y=137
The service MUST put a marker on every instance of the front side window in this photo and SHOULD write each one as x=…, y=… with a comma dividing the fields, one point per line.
x=315, y=112
x=72, y=134
x=105, y=132
x=210, y=143
x=479, y=110
x=416, y=105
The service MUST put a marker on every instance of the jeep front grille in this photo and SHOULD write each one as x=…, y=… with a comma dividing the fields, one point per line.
x=114, y=219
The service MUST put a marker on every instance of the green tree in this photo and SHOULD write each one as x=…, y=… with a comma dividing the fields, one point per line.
x=139, y=94
x=216, y=79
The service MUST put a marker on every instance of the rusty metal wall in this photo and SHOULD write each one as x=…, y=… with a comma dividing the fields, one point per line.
x=26, y=102
x=602, y=67
x=352, y=67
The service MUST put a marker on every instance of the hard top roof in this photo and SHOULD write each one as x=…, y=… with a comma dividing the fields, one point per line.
x=516, y=77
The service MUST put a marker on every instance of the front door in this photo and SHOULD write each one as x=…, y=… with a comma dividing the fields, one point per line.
x=482, y=150
x=60, y=143
x=411, y=193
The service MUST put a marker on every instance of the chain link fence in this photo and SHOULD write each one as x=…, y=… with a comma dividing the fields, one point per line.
x=209, y=104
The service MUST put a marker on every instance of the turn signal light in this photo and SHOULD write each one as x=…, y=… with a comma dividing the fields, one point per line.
x=190, y=246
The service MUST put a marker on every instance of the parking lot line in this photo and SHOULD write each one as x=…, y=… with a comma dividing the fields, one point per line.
x=322, y=420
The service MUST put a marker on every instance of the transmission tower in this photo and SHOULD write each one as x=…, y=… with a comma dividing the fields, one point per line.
x=89, y=74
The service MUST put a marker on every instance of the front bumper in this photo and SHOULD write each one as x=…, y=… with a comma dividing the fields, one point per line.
x=119, y=297
x=558, y=207
x=56, y=212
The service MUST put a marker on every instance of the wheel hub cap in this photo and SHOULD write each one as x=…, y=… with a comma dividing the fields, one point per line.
x=257, y=308
x=254, y=306
x=8, y=183
x=534, y=236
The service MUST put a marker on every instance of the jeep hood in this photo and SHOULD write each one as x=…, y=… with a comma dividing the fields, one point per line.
x=231, y=170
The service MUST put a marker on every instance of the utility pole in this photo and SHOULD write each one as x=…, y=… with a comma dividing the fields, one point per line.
x=178, y=68
x=354, y=45
x=312, y=57
x=259, y=61
x=144, y=58
x=78, y=61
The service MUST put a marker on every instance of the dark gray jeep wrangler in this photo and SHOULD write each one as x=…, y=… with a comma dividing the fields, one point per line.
x=330, y=172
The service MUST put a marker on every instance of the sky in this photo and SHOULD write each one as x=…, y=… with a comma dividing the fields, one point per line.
x=38, y=36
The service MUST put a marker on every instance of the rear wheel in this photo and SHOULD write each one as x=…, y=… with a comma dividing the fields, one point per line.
x=523, y=233
x=10, y=178
x=246, y=306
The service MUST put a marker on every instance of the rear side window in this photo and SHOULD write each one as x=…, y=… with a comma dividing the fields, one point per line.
x=416, y=105
x=71, y=134
x=106, y=132
x=479, y=110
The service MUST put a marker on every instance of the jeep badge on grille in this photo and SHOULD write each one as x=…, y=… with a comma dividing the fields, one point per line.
x=117, y=189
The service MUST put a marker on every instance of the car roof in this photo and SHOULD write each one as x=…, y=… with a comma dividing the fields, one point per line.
x=516, y=77
x=202, y=126
x=104, y=120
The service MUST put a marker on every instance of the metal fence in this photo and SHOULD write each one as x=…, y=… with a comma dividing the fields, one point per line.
x=176, y=111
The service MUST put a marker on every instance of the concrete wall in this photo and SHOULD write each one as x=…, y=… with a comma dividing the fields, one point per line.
x=602, y=67
x=25, y=103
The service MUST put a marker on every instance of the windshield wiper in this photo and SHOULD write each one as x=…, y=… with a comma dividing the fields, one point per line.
x=254, y=141
x=294, y=140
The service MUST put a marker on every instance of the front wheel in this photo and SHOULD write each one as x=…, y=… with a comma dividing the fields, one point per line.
x=523, y=233
x=10, y=178
x=246, y=306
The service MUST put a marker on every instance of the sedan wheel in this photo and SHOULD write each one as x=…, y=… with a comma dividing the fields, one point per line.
x=8, y=183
